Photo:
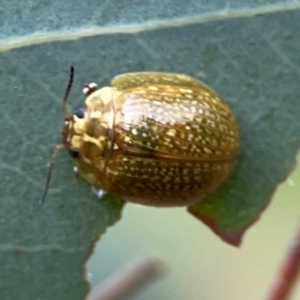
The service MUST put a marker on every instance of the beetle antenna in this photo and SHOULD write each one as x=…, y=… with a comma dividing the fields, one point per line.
x=67, y=92
x=52, y=161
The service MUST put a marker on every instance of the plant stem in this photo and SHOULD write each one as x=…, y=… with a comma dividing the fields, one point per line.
x=128, y=279
x=288, y=272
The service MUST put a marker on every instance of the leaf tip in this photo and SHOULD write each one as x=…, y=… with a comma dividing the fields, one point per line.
x=234, y=239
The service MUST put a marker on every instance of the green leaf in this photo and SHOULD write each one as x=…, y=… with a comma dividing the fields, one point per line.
x=249, y=53
x=262, y=79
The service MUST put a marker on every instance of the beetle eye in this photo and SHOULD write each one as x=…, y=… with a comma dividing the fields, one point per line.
x=79, y=112
x=74, y=153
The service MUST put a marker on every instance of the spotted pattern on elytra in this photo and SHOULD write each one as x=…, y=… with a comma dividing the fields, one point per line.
x=168, y=120
x=176, y=182
x=152, y=138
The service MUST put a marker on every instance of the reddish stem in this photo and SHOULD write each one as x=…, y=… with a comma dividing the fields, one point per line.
x=288, y=272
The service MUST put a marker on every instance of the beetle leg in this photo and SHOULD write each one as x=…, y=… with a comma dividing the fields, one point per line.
x=76, y=172
x=100, y=193
x=89, y=88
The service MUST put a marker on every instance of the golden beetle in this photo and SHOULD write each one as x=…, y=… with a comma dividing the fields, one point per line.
x=152, y=138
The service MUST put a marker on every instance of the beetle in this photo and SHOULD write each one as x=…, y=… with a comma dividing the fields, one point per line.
x=159, y=139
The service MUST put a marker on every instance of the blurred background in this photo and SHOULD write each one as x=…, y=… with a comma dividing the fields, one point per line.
x=201, y=266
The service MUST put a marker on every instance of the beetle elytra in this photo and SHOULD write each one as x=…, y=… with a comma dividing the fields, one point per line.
x=159, y=139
